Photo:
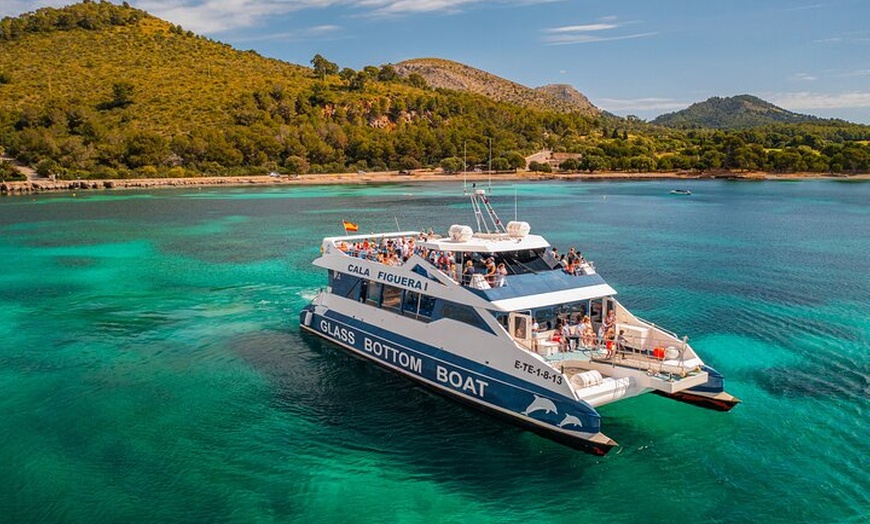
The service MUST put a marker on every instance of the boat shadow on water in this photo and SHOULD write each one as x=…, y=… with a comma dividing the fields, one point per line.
x=359, y=407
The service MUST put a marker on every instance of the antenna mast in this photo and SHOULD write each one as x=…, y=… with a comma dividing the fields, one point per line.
x=480, y=202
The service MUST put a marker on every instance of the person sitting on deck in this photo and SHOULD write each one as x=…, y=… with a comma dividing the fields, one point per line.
x=567, y=343
x=557, y=333
x=620, y=342
x=573, y=334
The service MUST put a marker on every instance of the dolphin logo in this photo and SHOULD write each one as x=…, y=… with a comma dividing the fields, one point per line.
x=540, y=404
x=570, y=420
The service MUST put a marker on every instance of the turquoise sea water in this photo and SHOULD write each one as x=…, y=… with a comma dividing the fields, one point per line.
x=152, y=369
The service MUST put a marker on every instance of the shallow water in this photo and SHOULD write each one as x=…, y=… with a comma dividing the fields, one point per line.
x=152, y=368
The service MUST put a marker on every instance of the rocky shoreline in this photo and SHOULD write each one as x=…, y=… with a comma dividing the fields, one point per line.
x=47, y=185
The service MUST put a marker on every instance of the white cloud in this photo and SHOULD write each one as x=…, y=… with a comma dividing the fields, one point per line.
x=394, y=7
x=805, y=77
x=19, y=7
x=601, y=31
x=857, y=72
x=804, y=7
x=581, y=28
x=214, y=16
x=807, y=100
x=320, y=32
x=618, y=105
x=586, y=39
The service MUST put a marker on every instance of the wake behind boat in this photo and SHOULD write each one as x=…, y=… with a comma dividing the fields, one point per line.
x=497, y=319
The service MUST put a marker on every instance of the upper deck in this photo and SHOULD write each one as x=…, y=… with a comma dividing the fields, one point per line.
x=532, y=276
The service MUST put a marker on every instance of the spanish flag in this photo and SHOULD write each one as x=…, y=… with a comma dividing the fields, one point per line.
x=350, y=226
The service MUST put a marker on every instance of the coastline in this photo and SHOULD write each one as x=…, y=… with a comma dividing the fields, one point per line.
x=46, y=185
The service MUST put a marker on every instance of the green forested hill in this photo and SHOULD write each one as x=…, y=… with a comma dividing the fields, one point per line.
x=102, y=90
x=105, y=90
x=735, y=112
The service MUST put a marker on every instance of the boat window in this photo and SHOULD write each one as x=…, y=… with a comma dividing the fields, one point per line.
x=525, y=261
x=595, y=310
x=545, y=318
x=579, y=307
x=409, y=304
x=427, y=305
x=344, y=285
x=464, y=314
x=392, y=298
x=373, y=297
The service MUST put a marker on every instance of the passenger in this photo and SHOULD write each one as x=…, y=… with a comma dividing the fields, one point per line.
x=587, y=334
x=490, y=271
x=573, y=334
x=451, y=272
x=569, y=267
x=557, y=333
x=620, y=341
x=610, y=320
x=572, y=256
x=608, y=342
x=442, y=263
x=566, y=336
x=500, y=275
x=468, y=273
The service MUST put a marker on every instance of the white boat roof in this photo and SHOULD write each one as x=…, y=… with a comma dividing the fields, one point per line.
x=539, y=300
x=487, y=243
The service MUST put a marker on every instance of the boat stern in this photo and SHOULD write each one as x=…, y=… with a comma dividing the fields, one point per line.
x=710, y=395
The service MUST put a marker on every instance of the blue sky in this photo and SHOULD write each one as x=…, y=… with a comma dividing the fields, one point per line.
x=640, y=57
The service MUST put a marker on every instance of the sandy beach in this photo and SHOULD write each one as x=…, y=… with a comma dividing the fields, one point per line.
x=38, y=185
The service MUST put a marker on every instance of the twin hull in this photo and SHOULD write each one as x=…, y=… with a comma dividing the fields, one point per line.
x=545, y=410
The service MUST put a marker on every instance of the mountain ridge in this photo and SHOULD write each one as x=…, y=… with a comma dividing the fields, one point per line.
x=447, y=74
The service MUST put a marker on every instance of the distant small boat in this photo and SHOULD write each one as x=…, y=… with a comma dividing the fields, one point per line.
x=680, y=192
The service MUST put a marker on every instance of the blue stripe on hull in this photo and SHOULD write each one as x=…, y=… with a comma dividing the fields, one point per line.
x=554, y=415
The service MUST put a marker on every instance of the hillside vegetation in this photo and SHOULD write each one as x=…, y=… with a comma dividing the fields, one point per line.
x=105, y=91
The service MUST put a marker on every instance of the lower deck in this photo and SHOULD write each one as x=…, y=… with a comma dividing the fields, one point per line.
x=620, y=372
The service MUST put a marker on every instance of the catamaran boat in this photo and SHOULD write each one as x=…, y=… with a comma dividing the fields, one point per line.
x=493, y=336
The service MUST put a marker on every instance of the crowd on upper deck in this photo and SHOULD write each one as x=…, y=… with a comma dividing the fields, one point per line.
x=472, y=268
x=571, y=262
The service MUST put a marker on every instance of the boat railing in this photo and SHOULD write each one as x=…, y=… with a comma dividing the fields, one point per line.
x=655, y=327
